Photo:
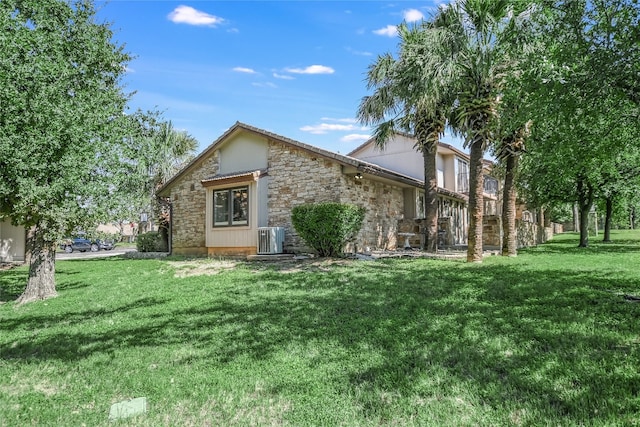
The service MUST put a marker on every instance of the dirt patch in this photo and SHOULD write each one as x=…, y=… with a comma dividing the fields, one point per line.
x=201, y=267
x=9, y=265
x=210, y=267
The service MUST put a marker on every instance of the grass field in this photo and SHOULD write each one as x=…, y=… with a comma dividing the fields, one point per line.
x=551, y=337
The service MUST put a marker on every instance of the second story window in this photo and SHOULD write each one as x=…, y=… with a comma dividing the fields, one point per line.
x=490, y=185
x=463, y=176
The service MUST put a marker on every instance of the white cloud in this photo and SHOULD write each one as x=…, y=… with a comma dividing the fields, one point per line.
x=389, y=31
x=323, y=128
x=267, y=84
x=412, y=15
x=311, y=69
x=283, y=76
x=188, y=15
x=245, y=70
x=355, y=137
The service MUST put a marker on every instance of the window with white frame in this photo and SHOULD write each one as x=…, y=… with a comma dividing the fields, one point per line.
x=463, y=176
x=231, y=207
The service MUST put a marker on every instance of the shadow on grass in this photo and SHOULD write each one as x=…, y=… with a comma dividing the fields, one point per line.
x=12, y=284
x=553, y=342
x=567, y=244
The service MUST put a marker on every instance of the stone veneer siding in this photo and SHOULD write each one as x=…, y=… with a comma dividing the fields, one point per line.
x=299, y=177
x=188, y=199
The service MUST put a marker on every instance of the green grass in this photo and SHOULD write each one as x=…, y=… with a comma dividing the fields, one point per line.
x=547, y=338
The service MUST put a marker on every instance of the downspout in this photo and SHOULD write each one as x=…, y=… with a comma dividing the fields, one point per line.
x=170, y=236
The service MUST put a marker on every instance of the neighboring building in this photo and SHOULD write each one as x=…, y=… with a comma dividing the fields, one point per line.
x=251, y=178
x=452, y=167
x=12, y=242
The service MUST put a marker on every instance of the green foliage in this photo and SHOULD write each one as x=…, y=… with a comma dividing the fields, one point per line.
x=62, y=111
x=561, y=212
x=545, y=339
x=152, y=152
x=327, y=227
x=150, y=242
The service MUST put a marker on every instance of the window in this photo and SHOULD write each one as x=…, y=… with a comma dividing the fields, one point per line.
x=490, y=185
x=231, y=207
x=420, y=205
x=463, y=176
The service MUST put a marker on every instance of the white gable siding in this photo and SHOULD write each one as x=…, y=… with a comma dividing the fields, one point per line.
x=243, y=152
x=398, y=155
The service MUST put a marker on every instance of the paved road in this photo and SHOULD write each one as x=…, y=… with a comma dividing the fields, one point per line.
x=62, y=255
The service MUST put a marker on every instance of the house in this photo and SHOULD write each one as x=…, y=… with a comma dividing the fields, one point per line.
x=250, y=178
x=12, y=242
x=452, y=166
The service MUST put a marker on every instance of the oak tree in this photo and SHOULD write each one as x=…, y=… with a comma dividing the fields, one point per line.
x=62, y=104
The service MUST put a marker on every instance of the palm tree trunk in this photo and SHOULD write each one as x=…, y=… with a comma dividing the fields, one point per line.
x=509, y=238
x=41, y=283
x=430, y=200
x=476, y=201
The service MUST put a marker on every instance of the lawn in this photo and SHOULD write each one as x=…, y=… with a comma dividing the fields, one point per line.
x=551, y=337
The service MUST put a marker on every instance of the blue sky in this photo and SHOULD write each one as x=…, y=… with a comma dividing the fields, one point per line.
x=296, y=68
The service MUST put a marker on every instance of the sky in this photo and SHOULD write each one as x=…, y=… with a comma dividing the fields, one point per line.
x=295, y=68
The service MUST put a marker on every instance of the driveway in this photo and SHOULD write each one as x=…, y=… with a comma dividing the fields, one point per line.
x=62, y=255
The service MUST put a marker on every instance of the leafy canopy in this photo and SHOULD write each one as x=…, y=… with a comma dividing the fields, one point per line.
x=62, y=111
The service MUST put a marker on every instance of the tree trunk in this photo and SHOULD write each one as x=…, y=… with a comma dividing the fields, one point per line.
x=41, y=283
x=632, y=218
x=584, y=227
x=607, y=219
x=541, y=221
x=510, y=236
x=430, y=200
x=29, y=242
x=476, y=201
x=576, y=218
x=585, y=201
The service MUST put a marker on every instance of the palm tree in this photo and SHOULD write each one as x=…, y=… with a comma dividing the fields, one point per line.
x=476, y=37
x=404, y=100
x=173, y=149
x=508, y=151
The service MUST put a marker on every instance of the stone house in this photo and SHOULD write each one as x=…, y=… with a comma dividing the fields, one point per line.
x=250, y=178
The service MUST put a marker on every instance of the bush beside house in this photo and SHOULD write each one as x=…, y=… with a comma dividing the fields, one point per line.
x=327, y=227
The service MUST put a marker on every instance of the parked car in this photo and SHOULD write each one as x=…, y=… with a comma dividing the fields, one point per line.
x=107, y=245
x=78, y=244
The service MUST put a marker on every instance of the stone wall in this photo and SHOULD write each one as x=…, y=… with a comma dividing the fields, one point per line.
x=299, y=177
x=530, y=233
x=492, y=231
x=188, y=199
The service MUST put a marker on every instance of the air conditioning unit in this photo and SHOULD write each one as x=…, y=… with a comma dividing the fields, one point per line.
x=270, y=240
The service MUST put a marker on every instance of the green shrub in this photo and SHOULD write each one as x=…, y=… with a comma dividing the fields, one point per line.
x=327, y=227
x=150, y=242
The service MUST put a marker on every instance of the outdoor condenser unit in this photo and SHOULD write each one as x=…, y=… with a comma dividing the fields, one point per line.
x=270, y=240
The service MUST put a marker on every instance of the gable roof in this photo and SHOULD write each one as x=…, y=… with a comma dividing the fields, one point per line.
x=357, y=164
x=441, y=145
